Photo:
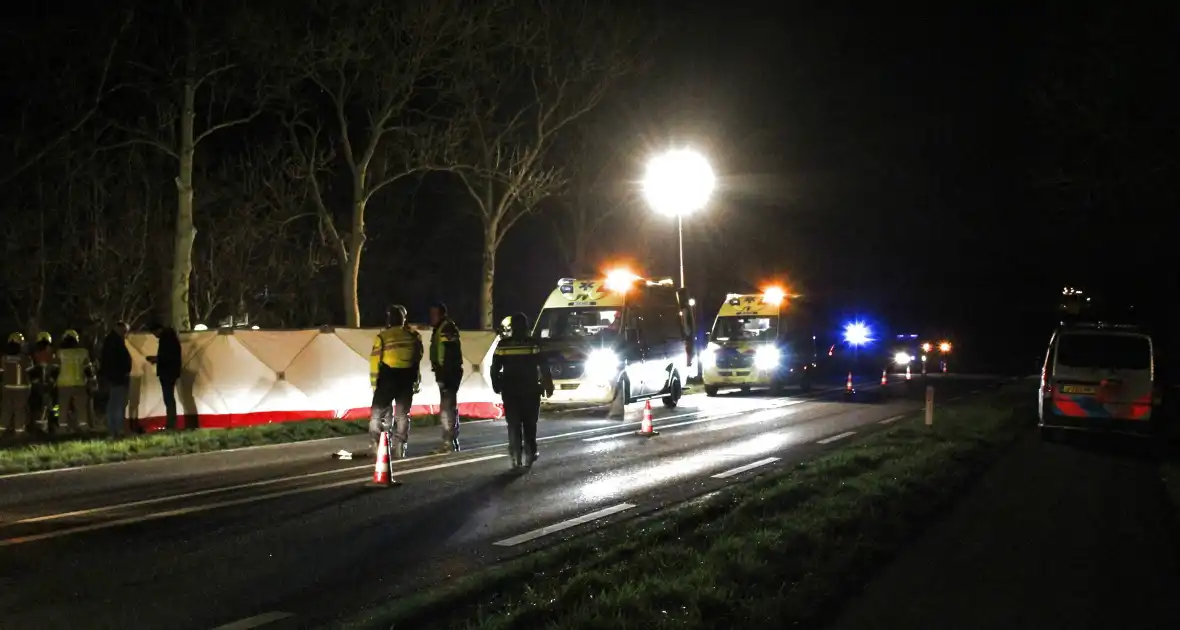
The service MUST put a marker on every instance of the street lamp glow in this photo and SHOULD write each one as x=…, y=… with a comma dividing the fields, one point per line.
x=944, y=347
x=857, y=334
x=678, y=182
x=926, y=347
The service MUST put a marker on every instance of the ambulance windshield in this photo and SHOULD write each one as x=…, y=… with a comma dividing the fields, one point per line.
x=745, y=328
x=578, y=323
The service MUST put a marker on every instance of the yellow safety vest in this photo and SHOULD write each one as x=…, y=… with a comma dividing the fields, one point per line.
x=73, y=363
x=393, y=347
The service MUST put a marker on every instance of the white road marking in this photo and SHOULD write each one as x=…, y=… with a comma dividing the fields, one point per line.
x=662, y=425
x=270, y=482
x=741, y=469
x=891, y=420
x=564, y=525
x=839, y=436
x=131, y=520
x=255, y=621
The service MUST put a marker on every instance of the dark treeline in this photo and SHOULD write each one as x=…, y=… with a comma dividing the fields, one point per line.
x=302, y=164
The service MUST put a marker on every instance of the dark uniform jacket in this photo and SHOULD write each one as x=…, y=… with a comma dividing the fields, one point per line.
x=168, y=361
x=115, y=363
x=519, y=368
x=446, y=353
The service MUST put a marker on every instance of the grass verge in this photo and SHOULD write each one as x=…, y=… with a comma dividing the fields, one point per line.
x=65, y=453
x=779, y=551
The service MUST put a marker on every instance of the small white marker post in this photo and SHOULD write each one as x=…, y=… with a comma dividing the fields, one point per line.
x=929, y=405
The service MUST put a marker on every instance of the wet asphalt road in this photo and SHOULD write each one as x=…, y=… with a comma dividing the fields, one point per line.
x=207, y=540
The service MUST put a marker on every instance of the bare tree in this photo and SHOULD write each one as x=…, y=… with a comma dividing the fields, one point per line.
x=370, y=68
x=252, y=252
x=525, y=80
x=80, y=88
x=202, y=88
x=598, y=193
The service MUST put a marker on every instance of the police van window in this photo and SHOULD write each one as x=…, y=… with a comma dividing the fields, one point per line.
x=1112, y=352
x=578, y=323
x=735, y=328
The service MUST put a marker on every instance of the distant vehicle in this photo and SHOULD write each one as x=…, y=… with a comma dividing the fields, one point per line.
x=758, y=341
x=1097, y=377
x=621, y=336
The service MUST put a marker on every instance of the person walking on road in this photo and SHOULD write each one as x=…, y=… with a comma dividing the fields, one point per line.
x=394, y=375
x=446, y=361
x=168, y=363
x=74, y=375
x=17, y=371
x=115, y=370
x=520, y=374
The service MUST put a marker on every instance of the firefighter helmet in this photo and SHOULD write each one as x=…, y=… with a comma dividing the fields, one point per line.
x=44, y=337
x=16, y=338
x=70, y=334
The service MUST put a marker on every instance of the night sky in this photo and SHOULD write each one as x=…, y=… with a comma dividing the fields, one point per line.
x=936, y=169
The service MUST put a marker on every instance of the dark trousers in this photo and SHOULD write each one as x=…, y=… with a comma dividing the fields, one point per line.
x=522, y=413
x=168, y=389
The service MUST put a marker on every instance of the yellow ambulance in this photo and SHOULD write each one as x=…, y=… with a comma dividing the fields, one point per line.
x=759, y=340
x=618, y=336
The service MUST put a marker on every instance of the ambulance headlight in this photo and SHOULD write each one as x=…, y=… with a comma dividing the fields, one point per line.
x=902, y=358
x=766, y=358
x=709, y=355
x=602, y=365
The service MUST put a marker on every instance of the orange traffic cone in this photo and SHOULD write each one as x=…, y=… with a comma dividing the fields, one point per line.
x=848, y=385
x=381, y=475
x=907, y=372
x=646, y=429
x=884, y=377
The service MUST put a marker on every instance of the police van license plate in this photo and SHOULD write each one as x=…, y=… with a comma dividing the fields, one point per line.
x=1079, y=389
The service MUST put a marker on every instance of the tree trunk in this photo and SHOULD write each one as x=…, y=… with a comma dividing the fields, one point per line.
x=186, y=232
x=349, y=282
x=351, y=267
x=487, y=279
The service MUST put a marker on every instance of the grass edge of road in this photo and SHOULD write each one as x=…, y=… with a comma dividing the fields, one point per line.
x=71, y=453
x=784, y=547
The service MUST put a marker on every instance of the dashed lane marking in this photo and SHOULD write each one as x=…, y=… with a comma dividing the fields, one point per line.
x=131, y=520
x=891, y=420
x=256, y=621
x=741, y=469
x=564, y=525
x=839, y=436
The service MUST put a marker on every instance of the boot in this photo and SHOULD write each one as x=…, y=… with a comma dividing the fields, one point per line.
x=397, y=450
x=455, y=445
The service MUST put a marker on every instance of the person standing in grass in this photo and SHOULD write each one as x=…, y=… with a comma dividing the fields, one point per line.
x=17, y=371
x=168, y=363
x=115, y=371
x=73, y=375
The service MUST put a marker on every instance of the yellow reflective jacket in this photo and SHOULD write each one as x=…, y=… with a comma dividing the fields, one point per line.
x=396, y=348
x=73, y=367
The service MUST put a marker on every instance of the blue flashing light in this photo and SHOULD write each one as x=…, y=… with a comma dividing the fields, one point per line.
x=857, y=334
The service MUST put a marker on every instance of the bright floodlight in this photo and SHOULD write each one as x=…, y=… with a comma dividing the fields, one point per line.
x=678, y=182
x=200, y=328
x=944, y=347
x=902, y=358
x=620, y=280
x=773, y=295
x=856, y=334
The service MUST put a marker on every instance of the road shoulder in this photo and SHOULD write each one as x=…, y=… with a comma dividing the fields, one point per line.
x=1055, y=535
